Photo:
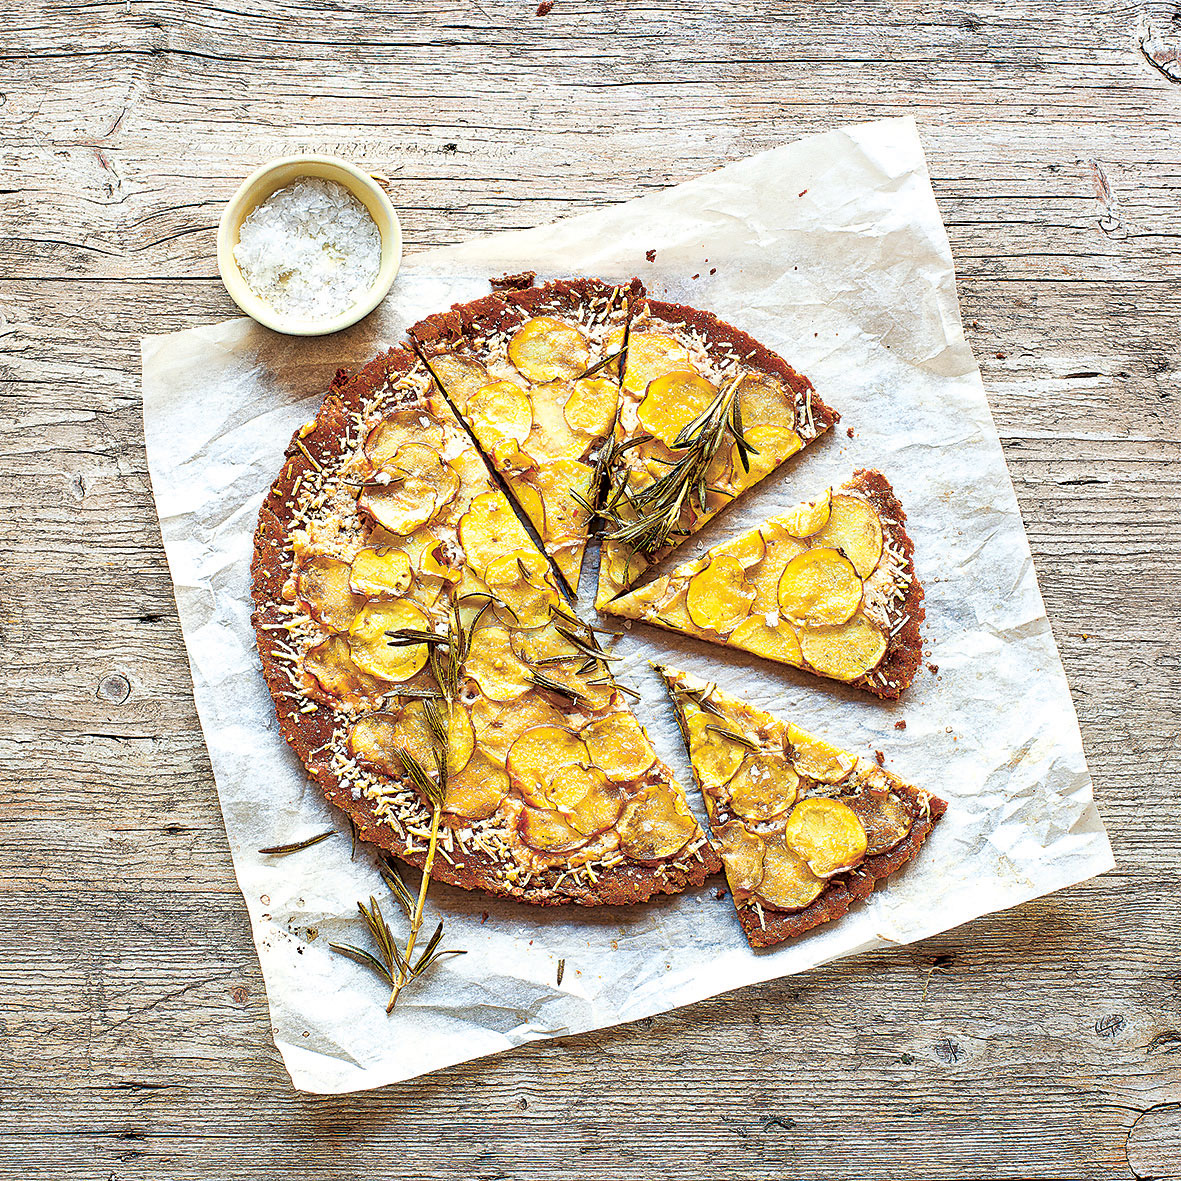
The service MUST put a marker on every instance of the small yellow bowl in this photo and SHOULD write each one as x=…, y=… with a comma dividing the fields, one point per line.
x=257, y=188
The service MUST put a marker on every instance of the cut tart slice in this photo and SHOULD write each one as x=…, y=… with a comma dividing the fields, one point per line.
x=828, y=586
x=535, y=375
x=397, y=594
x=706, y=412
x=804, y=829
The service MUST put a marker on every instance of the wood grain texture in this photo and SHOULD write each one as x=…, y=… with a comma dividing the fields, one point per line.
x=135, y=1040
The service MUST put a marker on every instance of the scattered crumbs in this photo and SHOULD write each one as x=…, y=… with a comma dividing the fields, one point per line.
x=561, y=970
x=933, y=668
x=975, y=323
x=614, y=944
x=483, y=918
x=719, y=894
x=698, y=276
x=713, y=270
x=449, y=148
x=849, y=432
x=803, y=192
x=1000, y=356
x=815, y=333
x=544, y=9
x=650, y=255
x=900, y=724
x=881, y=758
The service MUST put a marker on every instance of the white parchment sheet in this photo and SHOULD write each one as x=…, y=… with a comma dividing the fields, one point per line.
x=832, y=252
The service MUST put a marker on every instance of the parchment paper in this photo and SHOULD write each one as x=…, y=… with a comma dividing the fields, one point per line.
x=832, y=252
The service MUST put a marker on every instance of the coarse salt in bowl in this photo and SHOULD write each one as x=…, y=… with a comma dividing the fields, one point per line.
x=309, y=245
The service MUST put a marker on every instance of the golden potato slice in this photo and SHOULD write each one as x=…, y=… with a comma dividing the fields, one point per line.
x=417, y=461
x=489, y=529
x=398, y=428
x=819, y=588
x=598, y=809
x=371, y=646
x=768, y=447
x=498, y=725
x=571, y=785
x=373, y=740
x=619, y=747
x=560, y=483
x=764, y=576
x=323, y=584
x=528, y=498
x=590, y=408
x=748, y=549
x=715, y=757
x=548, y=349
x=826, y=834
x=742, y=855
x=331, y=664
x=778, y=643
x=885, y=818
x=500, y=411
x=548, y=831
x=494, y=666
x=672, y=402
x=719, y=598
x=459, y=376
x=537, y=756
x=508, y=458
x=476, y=791
x=401, y=507
x=655, y=824
x=521, y=581
x=438, y=562
x=808, y=518
x=788, y=883
x=763, y=401
x=845, y=652
x=763, y=787
x=651, y=355
x=380, y=571
x=854, y=527
x=817, y=759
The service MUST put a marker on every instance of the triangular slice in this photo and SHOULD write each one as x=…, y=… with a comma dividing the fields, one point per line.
x=535, y=375
x=674, y=460
x=804, y=829
x=828, y=586
x=385, y=527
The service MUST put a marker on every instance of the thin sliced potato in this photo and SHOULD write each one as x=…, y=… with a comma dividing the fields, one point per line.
x=819, y=588
x=772, y=643
x=715, y=757
x=807, y=518
x=400, y=507
x=398, y=428
x=656, y=824
x=765, y=576
x=788, y=883
x=381, y=571
x=854, y=527
x=459, y=376
x=561, y=483
x=764, y=402
x=528, y=498
x=419, y=462
x=826, y=834
x=748, y=549
x=742, y=855
x=619, y=747
x=548, y=831
x=490, y=529
x=816, y=759
x=476, y=791
x=332, y=666
x=437, y=561
x=591, y=406
x=548, y=349
x=372, y=650
x=886, y=819
x=673, y=402
x=845, y=652
x=651, y=355
x=323, y=584
x=494, y=666
x=536, y=757
x=598, y=809
x=764, y=787
x=521, y=581
x=498, y=725
x=500, y=411
x=719, y=597
x=373, y=741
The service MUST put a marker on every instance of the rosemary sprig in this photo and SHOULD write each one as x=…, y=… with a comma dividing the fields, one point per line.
x=701, y=698
x=544, y=682
x=600, y=365
x=295, y=846
x=740, y=739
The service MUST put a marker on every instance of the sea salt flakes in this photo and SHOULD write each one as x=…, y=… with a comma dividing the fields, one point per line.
x=310, y=249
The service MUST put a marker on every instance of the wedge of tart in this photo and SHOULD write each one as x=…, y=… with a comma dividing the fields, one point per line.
x=828, y=586
x=804, y=829
x=706, y=412
x=535, y=375
x=397, y=595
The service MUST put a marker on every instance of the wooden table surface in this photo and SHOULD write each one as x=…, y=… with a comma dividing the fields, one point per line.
x=1040, y=1043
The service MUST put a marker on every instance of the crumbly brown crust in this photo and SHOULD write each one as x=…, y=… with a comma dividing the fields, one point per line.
x=310, y=734
x=904, y=652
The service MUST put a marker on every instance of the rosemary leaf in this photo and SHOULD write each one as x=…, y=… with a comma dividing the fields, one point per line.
x=363, y=957
x=283, y=850
x=430, y=947
x=544, y=682
x=431, y=788
x=599, y=365
x=740, y=739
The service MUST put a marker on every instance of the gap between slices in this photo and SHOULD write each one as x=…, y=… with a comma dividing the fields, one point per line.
x=828, y=586
x=384, y=547
x=804, y=829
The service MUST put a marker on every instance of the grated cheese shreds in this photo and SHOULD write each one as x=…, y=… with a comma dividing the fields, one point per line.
x=310, y=249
